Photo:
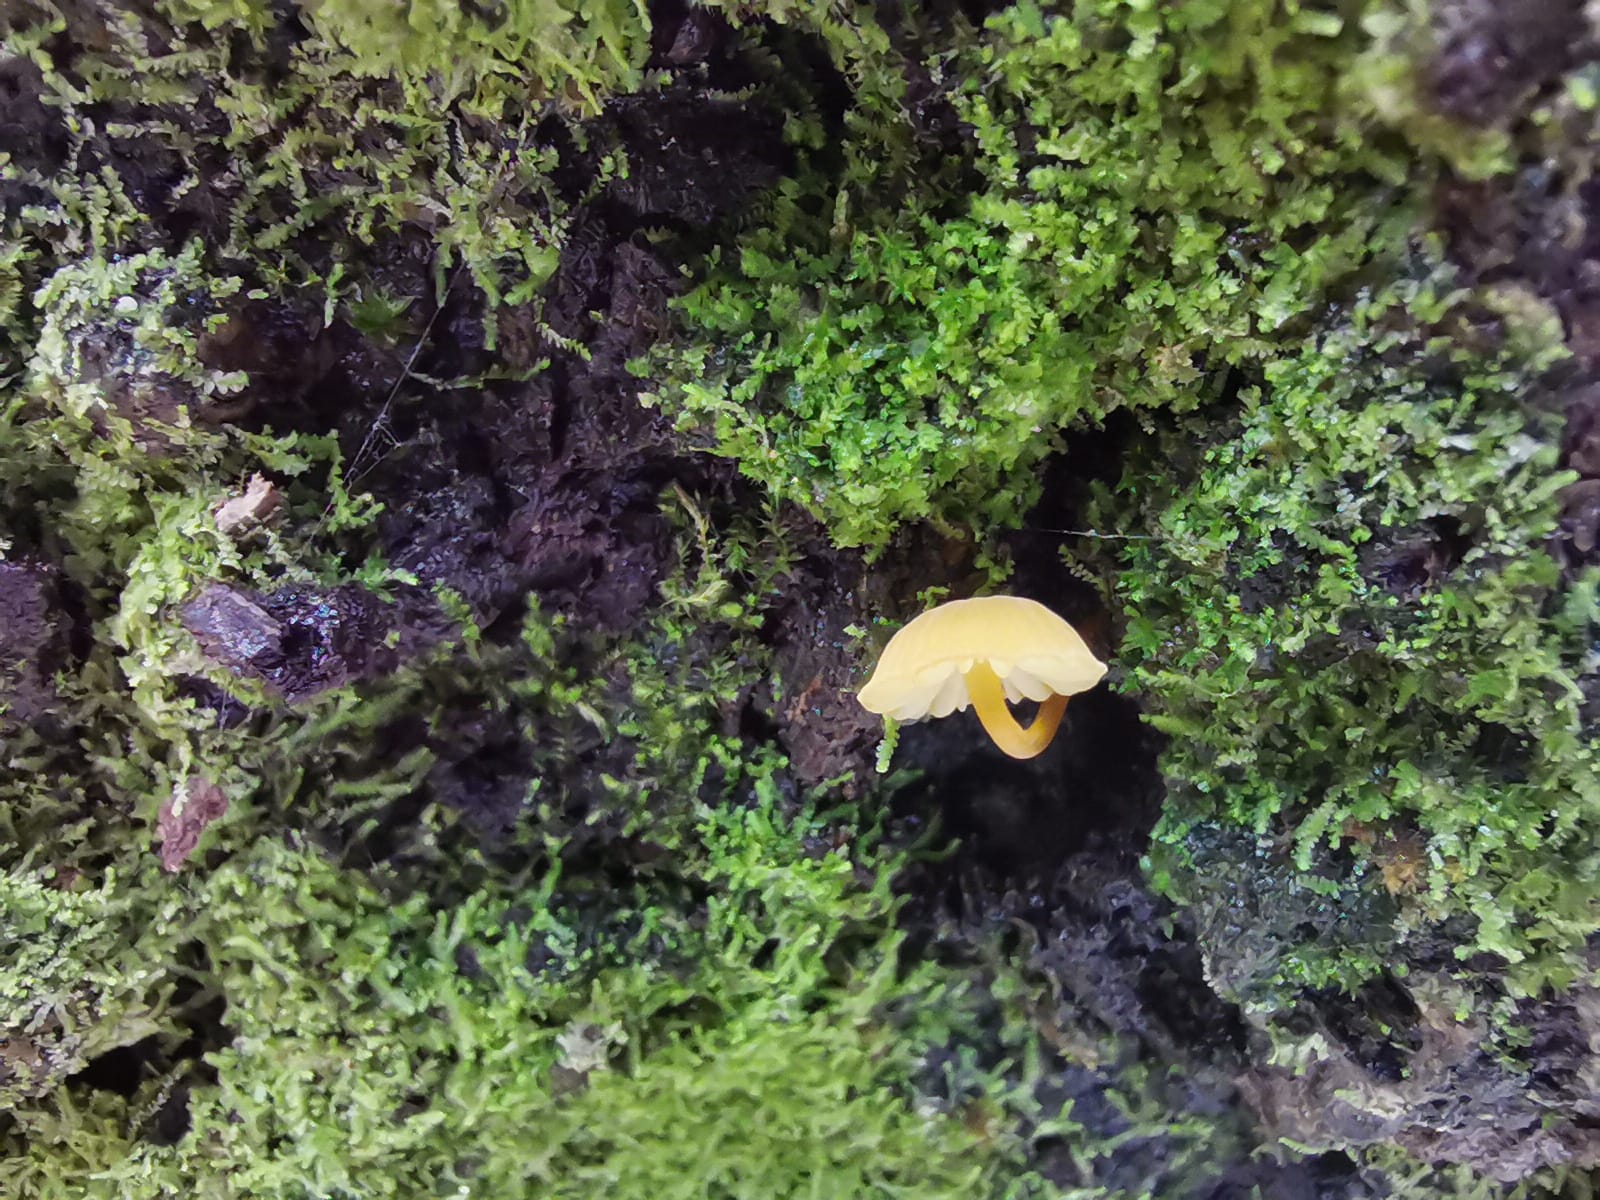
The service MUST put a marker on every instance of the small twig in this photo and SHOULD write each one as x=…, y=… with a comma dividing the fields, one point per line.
x=380, y=422
x=1090, y=533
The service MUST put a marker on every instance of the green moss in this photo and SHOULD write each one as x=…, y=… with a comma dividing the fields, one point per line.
x=1352, y=631
x=574, y=52
x=911, y=340
x=300, y=179
x=84, y=973
x=117, y=397
x=381, y=1049
x=476, y=1061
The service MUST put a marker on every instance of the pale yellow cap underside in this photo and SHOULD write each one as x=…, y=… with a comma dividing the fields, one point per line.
x=1036, y=654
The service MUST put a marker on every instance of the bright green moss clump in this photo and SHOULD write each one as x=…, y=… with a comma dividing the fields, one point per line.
x=575, y=54
x=1127, y=199
x=84, y=973
x=270, y=178
x=1350, y=625
x=502, y=1048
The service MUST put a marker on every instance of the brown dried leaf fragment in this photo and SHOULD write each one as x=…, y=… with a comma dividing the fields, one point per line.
x=1403, y=863
x=194, y=805
x=259, y=501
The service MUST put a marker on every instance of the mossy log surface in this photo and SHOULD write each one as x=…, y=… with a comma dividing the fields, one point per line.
x=458, y=462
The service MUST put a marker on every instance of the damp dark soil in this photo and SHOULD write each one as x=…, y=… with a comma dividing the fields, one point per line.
x=34, y=629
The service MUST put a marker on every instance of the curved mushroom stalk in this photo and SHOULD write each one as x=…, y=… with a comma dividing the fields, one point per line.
x=989, y=701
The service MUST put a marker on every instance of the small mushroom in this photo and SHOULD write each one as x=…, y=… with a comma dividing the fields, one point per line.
x=984, y=652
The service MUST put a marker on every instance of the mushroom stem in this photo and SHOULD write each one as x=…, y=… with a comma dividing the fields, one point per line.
x=989, y=701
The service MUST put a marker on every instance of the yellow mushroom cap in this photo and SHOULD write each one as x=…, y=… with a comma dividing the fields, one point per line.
x=1036, y=654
